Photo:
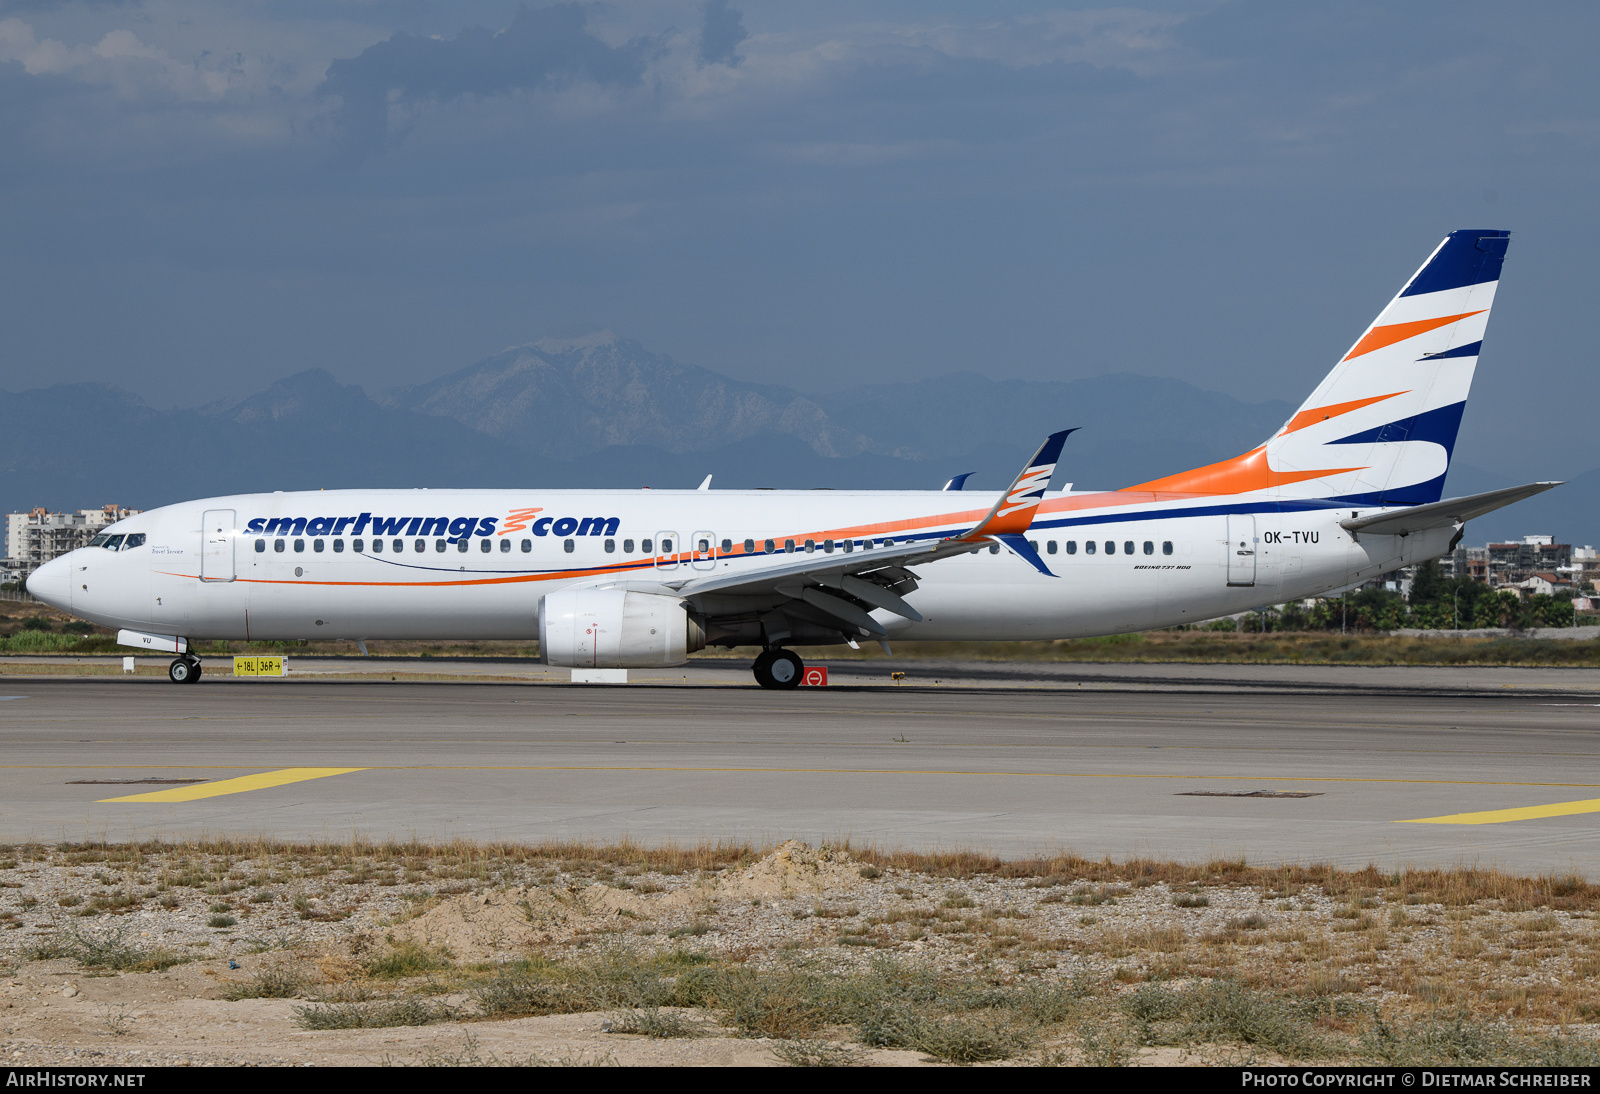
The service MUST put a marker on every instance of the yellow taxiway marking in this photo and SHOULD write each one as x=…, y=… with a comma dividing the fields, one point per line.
x=1527, y=812
x=237, y=786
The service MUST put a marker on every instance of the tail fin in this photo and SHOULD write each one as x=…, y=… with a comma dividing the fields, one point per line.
x=1381, y=427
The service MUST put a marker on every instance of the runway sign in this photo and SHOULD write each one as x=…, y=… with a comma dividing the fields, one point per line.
x=815, y=677
x=259, y=666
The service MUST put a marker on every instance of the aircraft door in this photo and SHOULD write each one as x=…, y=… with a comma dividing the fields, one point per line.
x=667, y=550
x=216, y=545
x=704, y=548
x=1241, y=549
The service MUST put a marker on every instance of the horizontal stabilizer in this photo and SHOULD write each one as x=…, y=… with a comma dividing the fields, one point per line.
x=1442, y=514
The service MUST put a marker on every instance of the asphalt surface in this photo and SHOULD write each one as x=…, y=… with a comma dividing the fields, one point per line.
x=1118, y=760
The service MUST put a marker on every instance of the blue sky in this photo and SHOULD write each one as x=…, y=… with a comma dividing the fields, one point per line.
x=199, y=198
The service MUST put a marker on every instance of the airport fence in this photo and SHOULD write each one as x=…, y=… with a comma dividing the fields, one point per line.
x=17, y=596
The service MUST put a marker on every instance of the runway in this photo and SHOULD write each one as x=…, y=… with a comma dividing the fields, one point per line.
x=1425, y=767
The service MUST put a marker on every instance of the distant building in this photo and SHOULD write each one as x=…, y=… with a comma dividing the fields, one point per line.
x=35, y=537
x=1513, y=563
x=1547, y=584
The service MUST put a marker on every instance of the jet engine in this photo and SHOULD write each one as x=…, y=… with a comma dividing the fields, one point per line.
x=616, y=629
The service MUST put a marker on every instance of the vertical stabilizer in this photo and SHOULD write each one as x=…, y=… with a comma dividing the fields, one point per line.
x=1381, y=427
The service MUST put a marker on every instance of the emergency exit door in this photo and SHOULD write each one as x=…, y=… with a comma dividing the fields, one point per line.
x=216, y=545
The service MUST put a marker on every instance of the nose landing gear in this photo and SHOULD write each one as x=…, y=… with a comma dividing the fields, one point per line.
x=778, y=669
x=184, y=670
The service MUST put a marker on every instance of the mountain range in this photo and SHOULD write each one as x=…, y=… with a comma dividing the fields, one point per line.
x=603, y=411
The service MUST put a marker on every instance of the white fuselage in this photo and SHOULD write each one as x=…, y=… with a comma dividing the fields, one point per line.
x=473, y=564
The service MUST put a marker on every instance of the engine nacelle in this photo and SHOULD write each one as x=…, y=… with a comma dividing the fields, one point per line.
x=616, y=629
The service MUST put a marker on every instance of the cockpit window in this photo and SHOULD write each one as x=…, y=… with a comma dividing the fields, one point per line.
x=134, y=540
x=112, y=543
x=98, y=540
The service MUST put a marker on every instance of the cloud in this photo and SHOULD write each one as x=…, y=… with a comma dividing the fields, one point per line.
x=721, y=33
x=542, y=48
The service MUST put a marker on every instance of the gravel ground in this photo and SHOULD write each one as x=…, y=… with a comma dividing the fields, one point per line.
x=117, y=956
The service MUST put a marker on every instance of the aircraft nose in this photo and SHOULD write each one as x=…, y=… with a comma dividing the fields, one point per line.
x=52, y=583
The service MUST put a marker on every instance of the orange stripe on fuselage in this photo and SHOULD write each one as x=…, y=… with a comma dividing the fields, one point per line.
x=1240, y=475
x=1378, y=337
x=1323, y=413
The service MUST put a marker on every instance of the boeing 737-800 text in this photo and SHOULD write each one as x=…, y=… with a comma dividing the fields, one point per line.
x=1348, y=488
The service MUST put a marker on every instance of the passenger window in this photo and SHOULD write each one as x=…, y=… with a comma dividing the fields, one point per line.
x=462, y=545
x=827, y=545
x=357, y=545
x=770, y=547
x=505, y=546
x=438, y=545
x=1166, y=547
x=1088, y=546
x=1149, y=547
x=299, y=546
x=421, y=546
x=566, y=545
x=1050, y=547
x=888, y=543
x=399, y=546
x=811, y=546
x=627, y=546
x=1072, y=547
x=788, y=546
x=727, y=546
x=135, y=540
x=527, y=545
x=338, y=546
x=866, y=545
x=611, y=546
x=377, y=547
x=848, y=545
x=994, y=548
x=666, y=546
x=645, y=546
x=486, y=548
x=1127, y=547
x=261, y=546
x=316, y=545
x=705, y=547
x=749, y=546
x=1111, y=547
x=1034, y=544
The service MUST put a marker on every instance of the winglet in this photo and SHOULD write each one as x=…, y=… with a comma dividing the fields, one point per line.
x=1013, y=513
x=959, y=482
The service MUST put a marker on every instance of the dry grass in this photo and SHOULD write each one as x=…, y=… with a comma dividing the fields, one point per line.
x=960, y=955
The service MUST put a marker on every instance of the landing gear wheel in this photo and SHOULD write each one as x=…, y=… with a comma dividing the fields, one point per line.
x=778, y=669
x=184, y=670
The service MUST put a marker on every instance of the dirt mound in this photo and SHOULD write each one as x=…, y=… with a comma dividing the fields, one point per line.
x=487, y=925
x=794, y=869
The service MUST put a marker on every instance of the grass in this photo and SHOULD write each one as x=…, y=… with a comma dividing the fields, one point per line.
x=1279, y=964
x=109, y=949
x=274, y=982
x=815, y=1052
x=403, y=959
x=383, y=1015
x=658, y=1023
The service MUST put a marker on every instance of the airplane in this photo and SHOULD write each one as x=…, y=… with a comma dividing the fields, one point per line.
x=1350, y=487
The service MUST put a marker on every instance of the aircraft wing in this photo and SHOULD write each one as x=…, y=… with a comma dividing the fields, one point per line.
x=845, y=586
x=1443, y=514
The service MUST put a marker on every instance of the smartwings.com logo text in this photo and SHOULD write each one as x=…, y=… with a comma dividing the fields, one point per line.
x=454, y=529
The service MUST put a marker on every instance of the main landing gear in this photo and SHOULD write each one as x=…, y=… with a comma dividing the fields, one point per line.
x=778, y=668
x=184, y=670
